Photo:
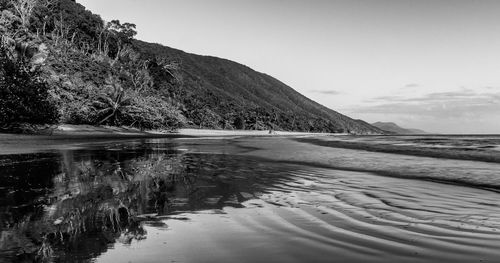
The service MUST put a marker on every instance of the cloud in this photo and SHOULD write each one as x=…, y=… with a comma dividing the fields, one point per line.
x=463, y=94
x=384, y=99
x=492, y=88
x=463, y=103
x=327, y=92
x=412, y=85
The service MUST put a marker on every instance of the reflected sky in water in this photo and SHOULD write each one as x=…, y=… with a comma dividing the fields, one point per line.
x=72, y=204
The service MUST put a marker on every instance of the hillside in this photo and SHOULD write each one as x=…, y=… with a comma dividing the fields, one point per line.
x=394, y=128
x=229, y=89
x=63, y=64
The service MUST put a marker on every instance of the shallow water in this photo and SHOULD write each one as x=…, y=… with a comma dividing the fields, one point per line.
x=245, y=200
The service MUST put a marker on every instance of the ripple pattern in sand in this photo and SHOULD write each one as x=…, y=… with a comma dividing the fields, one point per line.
x=326, y=215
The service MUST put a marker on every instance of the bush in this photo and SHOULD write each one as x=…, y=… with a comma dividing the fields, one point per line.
x=126, y=107
x=155, y=113
x=24, y=96
x=79, y=113
x=239, y=123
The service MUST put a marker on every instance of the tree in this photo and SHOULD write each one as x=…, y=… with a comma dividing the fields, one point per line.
x=24, y=9
x=123, y=35
x=113, y=106
x=139, y=76
x=170, y=67
x=136, y=69
x=24, y=96
x=69, y=19
x=239, y=123
x=125, y=32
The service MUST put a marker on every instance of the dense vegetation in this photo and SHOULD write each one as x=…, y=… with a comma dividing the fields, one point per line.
x=75, y=68
x=24, y=95
x=220, y=93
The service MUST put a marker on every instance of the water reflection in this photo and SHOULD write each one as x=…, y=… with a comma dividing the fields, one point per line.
x=157, y=200
x=72, y=205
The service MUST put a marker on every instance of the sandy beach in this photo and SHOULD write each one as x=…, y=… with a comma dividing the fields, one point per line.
x=246, y=198
x=78, y=134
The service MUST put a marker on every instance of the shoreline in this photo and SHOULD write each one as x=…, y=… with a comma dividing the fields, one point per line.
x=68, y=131
x=78, y=134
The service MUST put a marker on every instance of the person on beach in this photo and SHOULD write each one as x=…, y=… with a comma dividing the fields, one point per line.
x=271, y=128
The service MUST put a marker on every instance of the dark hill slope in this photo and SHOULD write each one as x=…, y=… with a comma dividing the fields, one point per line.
x=233, y=93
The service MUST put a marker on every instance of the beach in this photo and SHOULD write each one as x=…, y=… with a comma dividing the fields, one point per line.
x=65, y=135
x=246, y=198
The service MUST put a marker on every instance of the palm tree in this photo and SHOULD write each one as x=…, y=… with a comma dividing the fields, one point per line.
x=113, y=105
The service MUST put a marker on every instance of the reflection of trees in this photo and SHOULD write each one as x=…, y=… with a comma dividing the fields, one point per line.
x=99, y=197
x=103, y=197
x=23, y=185
x=92, y=198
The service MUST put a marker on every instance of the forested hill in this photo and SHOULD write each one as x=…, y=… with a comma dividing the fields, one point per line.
x=60, y=63
x=232, y=90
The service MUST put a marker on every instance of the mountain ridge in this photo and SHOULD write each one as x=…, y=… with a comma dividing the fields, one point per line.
x=231, y=78
x=394, y=128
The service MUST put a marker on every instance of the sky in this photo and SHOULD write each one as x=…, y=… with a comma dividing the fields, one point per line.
x=427, y=64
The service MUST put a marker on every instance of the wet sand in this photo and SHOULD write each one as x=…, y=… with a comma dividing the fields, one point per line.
x=248, y=199
x=438, y=146
x=73, y=136
x=322, y=210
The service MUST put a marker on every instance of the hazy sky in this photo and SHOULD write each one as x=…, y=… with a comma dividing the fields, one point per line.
x=429, y=64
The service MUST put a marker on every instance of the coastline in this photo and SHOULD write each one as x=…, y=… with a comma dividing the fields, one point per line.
x=69, y=131
x=78, y=134
x=71, y=136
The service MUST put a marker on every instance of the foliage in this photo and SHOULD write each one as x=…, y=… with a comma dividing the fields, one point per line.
x=24, y=10
x=24, y=96
x=68, y=19
x=125, y=107
x=154, y=113
x=152, y=86
x=239, y=123
x=123, y=32
x=114, y=105
x=242, y=97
